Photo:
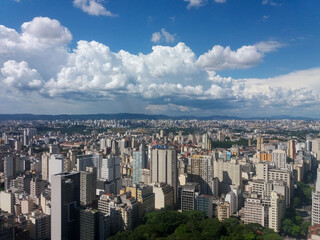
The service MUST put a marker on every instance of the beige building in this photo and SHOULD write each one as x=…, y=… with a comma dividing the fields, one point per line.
x=164, y=195
x=223, y=211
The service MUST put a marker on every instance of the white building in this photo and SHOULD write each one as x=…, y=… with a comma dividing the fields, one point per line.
x=56, y=165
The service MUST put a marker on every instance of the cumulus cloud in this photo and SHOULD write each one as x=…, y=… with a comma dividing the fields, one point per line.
x=162, y=36
x=19, y=76
x=168, y=79
x=220, y=58
x=195, y=3
x=42, y=43
x=93, y=7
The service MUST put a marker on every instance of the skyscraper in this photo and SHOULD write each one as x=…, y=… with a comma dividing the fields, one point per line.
x=139, y=162
x=65, y=202
x=315, y=211
x=56, y=165
x=164, y=168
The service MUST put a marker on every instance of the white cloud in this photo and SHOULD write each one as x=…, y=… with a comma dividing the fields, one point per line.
x=269, y=2
x=93, y=7
x=169, y=108
x=42, y=43
x=156, y=37
x=220, y=1
x=38, y=60
x=163, y=36
x=19, y=76
x=220, y=58
x=195, y=3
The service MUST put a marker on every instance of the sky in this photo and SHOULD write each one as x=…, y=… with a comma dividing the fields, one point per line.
x=246, y=58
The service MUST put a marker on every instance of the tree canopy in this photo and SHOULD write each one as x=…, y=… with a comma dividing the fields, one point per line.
x=173, y=225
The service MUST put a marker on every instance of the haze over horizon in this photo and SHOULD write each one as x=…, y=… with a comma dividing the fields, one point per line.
x=183, y=57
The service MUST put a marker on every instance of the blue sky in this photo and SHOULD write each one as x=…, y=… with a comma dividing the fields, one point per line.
x=175, y=57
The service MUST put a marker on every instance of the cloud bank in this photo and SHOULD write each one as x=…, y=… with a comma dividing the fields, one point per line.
x=169, y=79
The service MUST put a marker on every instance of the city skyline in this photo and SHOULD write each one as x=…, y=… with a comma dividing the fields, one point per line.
x=184, y=57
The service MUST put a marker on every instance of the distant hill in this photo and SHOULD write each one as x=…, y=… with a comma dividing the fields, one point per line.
x=119, y=116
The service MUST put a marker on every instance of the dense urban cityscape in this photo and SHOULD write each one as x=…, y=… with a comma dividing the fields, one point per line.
x=93, y=179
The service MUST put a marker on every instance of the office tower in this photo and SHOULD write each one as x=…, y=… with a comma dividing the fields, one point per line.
x=223, y=211
x=39, y=225
x=37, y=186
x=164, y=195
x=88, y=184
x=204, y=203
x=188, y=196
x=279, y=158
x=110, y=171
x=7, y=201
x=292, y=149
x=9, y=166
x=72, y=155
x=92, y=225
x=65, y=202
x=315, y=210
x=90, y=160
x=56, y=165
x=45, y=166
x=200, y=170
x=164, y=168
x=259, y=143
x=139, y=162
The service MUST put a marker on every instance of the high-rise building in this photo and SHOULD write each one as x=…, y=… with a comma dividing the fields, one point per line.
x=188, y=196
x=145, y=198
x=279, y=158
x=122, y=209
x=164, y=195
x=276, y=211
x=315, y=211
x=37, y=186
x=110, y=171
x=39, y=225
x=204, y=203
x=223, y=211
x=228, y=173
x=45, y=166
x=90, y=160
x=93, y=225
x=56, y=165
x=139, y=162
x=7, y=201
x=292, y=149
x=164, y=168
x=255, y=211
x=200, y=170
x=259, y=143
x=65, y=202
x=88, y=183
